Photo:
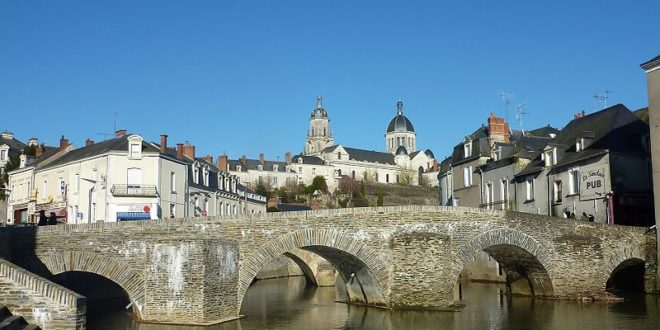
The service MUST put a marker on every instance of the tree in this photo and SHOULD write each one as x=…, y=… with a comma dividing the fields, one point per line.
x=407, y=177
x=262, y=190
x=379, y=202
x=318, y=184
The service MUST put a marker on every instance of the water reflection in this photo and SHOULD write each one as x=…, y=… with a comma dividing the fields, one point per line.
x=289, y=303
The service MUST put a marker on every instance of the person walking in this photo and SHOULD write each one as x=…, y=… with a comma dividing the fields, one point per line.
x=52, y=219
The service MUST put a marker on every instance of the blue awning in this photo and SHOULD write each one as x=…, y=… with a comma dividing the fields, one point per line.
x=126, y=216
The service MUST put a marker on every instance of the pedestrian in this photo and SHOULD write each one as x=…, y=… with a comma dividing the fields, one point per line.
x=43, y=220
x=52, y=219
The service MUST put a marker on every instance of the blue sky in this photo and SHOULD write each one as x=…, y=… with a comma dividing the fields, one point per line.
x=241, y=77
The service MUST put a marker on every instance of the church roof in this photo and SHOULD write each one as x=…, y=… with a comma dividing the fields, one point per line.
x=400, y=123
x=370, y=156
x=401, y=150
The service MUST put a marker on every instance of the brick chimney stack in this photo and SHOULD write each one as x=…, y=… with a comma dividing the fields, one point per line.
x=189, y=151
x=208, y=159
x=498, y=129
x=244, y=159
x=579, y=115
x=163, y=143
x=287, y=157
x=261, y=159
x=435, y=165
x=223, y=163
x=120, y=133
x=89, y=142
x=63, y=143
x=38, y=151
x=179, y=150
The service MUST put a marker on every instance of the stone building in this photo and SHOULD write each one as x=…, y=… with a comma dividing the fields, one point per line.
x=251, y=172
x=652, y=68
x=319, y=136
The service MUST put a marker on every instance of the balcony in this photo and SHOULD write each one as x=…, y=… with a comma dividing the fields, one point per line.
x=133, y=190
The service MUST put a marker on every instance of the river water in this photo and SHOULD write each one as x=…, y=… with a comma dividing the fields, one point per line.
x=288, y=303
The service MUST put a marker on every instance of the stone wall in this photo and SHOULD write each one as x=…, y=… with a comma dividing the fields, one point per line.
x=39, y=301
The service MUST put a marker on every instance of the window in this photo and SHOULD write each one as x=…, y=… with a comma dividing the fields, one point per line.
x=353, y=174
x=206, y=176
x=573, y=181
x=238, y=168
x=550, y=157
x=195, y=173
x=579, y=144
x=44, y=189
x=173, y=182
x=387, y=178
x=339, y=155
x=196, y=206
x=529, y=189
x=313, y=170
x=3, y=154
x=556, y=191
x=467, y=176
x=275, y=167
x=467, y=149
x=260, y=167
x=504, y=193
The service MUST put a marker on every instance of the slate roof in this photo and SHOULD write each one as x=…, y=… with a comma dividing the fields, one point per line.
x=651, y=63
x=400, y=123
x=615, y=128
x=15, y=146
x=370, y=156
x=308, y=160
x=114, y=144
x=643, y=114
x=253, y=164
x=543, y=131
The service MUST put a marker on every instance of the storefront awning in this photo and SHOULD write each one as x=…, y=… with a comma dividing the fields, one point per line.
x=127, y=216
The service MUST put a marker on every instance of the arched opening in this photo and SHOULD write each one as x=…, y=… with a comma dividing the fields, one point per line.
x=106, y=300
x=420, y=175
x=628, y=276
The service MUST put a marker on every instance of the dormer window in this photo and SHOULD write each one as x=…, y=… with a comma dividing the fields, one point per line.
x=260, y=167
x=300, y=160
x=467, y=149
x=134, y=147
x=275, y=168
x=550, y=157
x=195, y=173
x=497, y=154
x=206, y=176
x=579, y=144
x=339, y=155
x=238, y=168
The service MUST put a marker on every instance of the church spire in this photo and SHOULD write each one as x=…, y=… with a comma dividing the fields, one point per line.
x=399, y=107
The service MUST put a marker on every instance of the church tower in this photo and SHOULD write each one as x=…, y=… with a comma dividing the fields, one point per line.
x=319, y=136
x=400, y=133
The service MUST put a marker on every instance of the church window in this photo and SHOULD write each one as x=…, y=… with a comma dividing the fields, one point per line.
x=387, y=178
x=353, y=174
x=339, y=155
x=324, y=133
x=398, y=141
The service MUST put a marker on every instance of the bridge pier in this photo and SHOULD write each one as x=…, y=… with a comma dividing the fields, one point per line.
x=192, y=282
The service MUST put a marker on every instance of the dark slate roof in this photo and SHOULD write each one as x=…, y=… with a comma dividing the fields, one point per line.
x=479, y=147
x=528, y=146
x=253, y=164
x=651, y=63
x=241, y=187
x=534, y=166
x=496, y=164
x=445, y=165
x=615, y=128
x=400, y=123
x=643, y=114
x=370, y=156
x=308, y=160
x=543, y=131
x=429, y=153
x=114, y=144
x=14, y=145
x=401, y=150
x=330, y=149
x=574, y=157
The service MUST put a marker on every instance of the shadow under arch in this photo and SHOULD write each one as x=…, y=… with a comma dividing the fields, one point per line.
x=360, y=268
x=628, y=275
x=524, y=260
x=111, y=268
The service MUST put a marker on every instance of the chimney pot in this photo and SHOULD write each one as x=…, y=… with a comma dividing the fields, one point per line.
x=261, y=158
x=120, y=133
x=38, y=151
x=89, y=142
x=63, y=143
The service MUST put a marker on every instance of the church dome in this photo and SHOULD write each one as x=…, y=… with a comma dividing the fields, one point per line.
x=400, y=123
x=401, y=150
x=429, y=153
x=319, y=112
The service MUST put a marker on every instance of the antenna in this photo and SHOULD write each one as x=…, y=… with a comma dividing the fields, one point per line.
x=520, y=113
x=601, y=97
x=114, y=121
x=506, y=97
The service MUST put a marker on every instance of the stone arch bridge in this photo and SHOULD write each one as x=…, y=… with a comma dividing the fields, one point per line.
x=197, y=271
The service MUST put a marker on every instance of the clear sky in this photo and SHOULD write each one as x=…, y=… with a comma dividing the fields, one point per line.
x=241, y=77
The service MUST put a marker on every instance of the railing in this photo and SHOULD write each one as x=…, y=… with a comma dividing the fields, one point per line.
x=143, y=190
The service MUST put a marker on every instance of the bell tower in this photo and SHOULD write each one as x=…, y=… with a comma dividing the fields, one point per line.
x=319, y=136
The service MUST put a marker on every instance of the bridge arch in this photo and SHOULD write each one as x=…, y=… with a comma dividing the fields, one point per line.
x=111, y=268
x=625, y=270
x=363, y=271
x=526, y=262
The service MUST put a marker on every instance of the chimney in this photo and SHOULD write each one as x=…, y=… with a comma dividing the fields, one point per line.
x=498, y=129
x=261, y=159
x=63, y=143
x=208, y=159
x=244, y=159
x=189, y=151
x=579, y=115
x=33, y=142
x=22, y=160
x=38, y=151
x=89, y=142
x=179, y=150
x=120, y=133
x=223, y=163
x=287, y=157
x=163, y=143
x=435, y=165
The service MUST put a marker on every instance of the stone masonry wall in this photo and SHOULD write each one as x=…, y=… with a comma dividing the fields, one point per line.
x=39, y=301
